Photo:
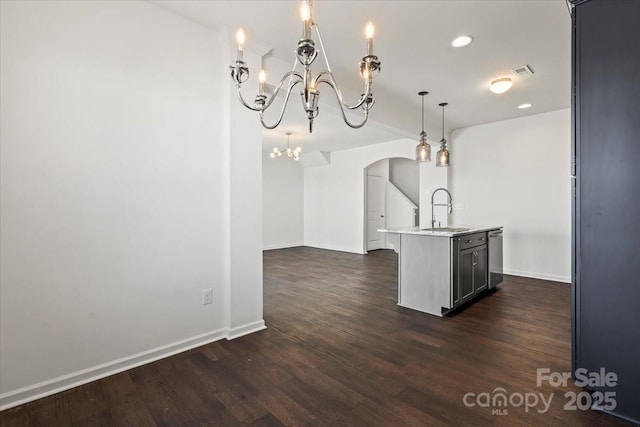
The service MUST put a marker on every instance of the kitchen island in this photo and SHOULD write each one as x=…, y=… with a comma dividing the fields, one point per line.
x=440, y=269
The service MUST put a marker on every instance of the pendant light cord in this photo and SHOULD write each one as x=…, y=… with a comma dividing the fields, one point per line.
x=423, y=113
x=423, y=134
x=443, y=122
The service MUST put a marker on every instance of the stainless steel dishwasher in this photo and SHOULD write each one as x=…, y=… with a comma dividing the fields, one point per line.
x=495, y=258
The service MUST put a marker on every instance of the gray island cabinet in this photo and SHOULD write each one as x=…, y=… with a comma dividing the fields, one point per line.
x=441, y=269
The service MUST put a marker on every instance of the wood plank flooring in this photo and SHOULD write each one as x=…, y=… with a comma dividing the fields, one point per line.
x=338, y=351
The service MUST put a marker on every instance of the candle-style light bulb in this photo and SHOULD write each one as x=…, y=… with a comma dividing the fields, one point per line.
x=368, y=32
x=305, y=14
x=262, y=77
x=240, y=38
x=305, y=11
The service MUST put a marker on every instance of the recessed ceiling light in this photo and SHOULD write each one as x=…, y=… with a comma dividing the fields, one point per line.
x=462, y=41
x=524, y=106
x=500, y=85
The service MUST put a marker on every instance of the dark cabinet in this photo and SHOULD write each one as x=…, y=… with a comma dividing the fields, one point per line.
x=466, y=273
x=606, y=195
x=480, y=269
x=470, y=267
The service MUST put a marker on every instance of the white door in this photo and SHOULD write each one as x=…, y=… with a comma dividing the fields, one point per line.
x=375, y=212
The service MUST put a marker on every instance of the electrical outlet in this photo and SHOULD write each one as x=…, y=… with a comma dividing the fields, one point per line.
x=207, y=296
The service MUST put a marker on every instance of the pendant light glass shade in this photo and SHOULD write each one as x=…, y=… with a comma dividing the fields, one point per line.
x=442, y=156
x=423, y=150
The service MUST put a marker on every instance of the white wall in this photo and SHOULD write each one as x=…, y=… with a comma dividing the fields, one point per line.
x=117, y=175
x=399, y=210
x=516, y=173
x=245, y=203
x=405, y=174
x=513, y=173
x=379, y=168
x=283, y=203
x=334, y=195
x=432, y=178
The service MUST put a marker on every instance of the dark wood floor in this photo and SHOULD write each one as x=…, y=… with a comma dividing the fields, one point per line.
x=339, y=351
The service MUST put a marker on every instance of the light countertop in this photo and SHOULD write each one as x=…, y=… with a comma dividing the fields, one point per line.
x=436, y=233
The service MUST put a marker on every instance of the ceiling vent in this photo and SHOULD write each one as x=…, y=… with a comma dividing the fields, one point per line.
x=523, y=70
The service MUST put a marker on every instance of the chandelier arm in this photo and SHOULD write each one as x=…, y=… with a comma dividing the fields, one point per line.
x=333, y=79
x=331, y=82
x=284, y=106
x=243, y=102
x=288, y=75
x=340, y=103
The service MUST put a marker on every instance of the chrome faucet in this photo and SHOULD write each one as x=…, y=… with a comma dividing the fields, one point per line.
x=449, y=205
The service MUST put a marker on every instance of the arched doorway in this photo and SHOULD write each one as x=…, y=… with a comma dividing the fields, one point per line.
x=391, y=199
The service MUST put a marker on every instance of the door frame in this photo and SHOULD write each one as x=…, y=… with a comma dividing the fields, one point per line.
x=365, y=234
x=364, y=199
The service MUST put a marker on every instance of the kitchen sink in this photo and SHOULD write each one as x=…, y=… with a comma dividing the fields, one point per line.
x=446, y=229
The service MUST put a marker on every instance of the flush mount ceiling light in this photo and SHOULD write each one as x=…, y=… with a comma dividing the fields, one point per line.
x=295, y=154
x=423, y=150
x=462, y=41
x=524, y=106
x=442, y=156
x=500, y=85
x=306, y=53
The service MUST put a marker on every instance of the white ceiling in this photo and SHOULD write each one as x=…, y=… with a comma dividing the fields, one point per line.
x=413, y=42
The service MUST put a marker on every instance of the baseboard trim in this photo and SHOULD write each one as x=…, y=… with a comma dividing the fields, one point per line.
x=33, y=392
x=283, y=246
x=327, y=248
x=542, y=276
x=247, y=329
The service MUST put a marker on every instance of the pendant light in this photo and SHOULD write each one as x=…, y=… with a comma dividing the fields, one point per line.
x=442, y=157
x=423, y=150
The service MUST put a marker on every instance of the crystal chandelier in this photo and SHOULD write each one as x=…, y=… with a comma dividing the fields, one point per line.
x=295, y=154
x=306, y=53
